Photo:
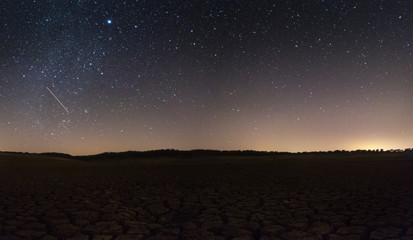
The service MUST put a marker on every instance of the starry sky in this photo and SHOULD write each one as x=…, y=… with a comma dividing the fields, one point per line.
x=85, y=77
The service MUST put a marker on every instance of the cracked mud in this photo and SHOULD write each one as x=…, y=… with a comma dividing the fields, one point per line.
x=246, y=198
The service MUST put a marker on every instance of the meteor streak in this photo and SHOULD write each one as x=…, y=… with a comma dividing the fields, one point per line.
x=58, y=100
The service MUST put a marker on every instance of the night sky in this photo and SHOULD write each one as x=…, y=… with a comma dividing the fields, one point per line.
x=219, y=74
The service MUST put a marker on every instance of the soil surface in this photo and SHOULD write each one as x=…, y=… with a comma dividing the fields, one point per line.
x=45, y=197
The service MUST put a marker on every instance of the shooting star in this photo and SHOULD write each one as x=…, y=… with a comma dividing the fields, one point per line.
x=58, y=100
x=64, y=126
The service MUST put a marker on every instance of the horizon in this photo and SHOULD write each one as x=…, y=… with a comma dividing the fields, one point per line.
x=222, y=150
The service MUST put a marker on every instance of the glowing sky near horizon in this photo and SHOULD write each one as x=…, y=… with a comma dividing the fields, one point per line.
x=222, y=74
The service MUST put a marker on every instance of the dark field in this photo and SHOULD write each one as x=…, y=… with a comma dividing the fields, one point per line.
x=217, y=197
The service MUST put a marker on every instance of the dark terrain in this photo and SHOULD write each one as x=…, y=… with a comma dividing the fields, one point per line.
x=200, y=196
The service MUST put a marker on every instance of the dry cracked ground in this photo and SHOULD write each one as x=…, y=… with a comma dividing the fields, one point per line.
x=219, y=198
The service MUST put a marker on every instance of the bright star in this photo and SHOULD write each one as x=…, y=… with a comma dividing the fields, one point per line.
x=109, y=21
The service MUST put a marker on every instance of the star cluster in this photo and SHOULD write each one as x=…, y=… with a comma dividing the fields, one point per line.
x=219, y=74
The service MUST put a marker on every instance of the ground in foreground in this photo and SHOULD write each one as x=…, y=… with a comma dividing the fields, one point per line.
x=264, y=197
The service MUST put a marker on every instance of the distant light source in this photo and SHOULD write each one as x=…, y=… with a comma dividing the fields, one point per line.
x=109, y=21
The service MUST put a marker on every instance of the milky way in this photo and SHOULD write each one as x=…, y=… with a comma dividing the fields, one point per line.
x=263, y=75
